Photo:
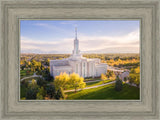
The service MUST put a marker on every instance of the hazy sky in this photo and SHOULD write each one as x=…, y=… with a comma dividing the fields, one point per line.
x=56, y=36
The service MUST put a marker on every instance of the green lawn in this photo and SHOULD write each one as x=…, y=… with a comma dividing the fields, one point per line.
x=24, y=73
x=88, y=79
x=106, y=92
x=90, y=84
x=97, y=83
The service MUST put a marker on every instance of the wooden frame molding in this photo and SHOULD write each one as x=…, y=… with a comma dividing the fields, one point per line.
x=146, y=11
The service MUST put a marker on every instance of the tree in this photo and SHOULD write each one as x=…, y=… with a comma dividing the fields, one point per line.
x=131, y=79
x=51, y=91
x=32, y=90
x=110, y=74
x=118, y=84
x=133, y=70
x=39, y=96
x=33, y=84
x=76, y=81
x=103, y=77
x=125, y=79
x=41, y=82
x=107, y=74
x=41, y=93
x=113, y=76
x=47, y=62
x=137, y=80
x=137, y=70
x=31, y=93
x=46, y=74
x=60, y=94
x=61, y=81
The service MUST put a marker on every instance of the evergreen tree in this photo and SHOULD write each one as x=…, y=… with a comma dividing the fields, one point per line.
x=50, y=91
x=118, y=84
x=31, y=93
x=60, y=94
x=125, y=79
x=41, y=82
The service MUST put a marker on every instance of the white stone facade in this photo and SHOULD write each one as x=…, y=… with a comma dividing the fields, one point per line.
x=78, y=64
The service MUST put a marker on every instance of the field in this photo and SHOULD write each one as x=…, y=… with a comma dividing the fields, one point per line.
x=106, y=92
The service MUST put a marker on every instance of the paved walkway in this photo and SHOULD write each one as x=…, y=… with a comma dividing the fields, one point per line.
x=34, y=75
x=90, y=87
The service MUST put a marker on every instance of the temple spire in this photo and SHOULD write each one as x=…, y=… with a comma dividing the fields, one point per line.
x=76, y=32
x=76, y=44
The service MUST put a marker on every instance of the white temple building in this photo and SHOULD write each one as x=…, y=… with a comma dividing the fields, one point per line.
x=76, y=63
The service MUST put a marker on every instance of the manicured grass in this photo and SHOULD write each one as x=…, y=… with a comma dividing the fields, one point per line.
x=24, y=73
x=88, y=79
x=106, y=92
x=97, y=83
x=90, y=84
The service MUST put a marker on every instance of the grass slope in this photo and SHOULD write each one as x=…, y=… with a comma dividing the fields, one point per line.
x=106, y=92
x=97, y=83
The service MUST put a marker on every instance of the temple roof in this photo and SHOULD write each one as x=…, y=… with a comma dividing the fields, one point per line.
x=61, y=63
x=65, y=66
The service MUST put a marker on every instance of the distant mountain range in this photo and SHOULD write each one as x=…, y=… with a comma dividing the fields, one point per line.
x=106, y=50
x=115, y=50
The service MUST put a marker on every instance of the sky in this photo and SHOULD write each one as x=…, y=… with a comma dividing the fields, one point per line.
x=95, y=36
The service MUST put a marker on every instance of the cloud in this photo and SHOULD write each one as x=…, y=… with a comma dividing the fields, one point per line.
x=102, y=42
x=53, y=27
x=28, y=44
x=87, y=43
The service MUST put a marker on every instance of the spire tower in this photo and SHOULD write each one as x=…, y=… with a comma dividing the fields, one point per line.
x=76, y=44
x=76, y=32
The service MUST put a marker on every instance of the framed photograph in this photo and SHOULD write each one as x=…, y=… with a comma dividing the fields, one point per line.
x=107, y=67
x=79, y=59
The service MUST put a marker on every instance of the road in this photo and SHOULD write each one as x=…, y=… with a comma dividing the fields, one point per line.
x=90, y=87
